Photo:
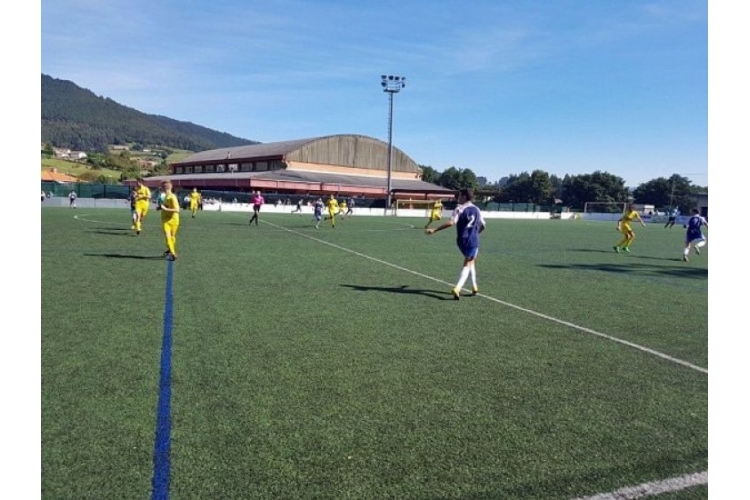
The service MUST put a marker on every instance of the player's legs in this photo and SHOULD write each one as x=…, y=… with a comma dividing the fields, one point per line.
x=140, y=214
x=332, y=218
x=473, y=276
x=170, y=237
x=470, y=255
x=686, y=250
x=630, y=238
x=193, y=208
x=625, y=230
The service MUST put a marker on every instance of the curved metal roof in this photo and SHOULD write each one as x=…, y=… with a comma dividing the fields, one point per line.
x=348, y=150
x=311, y=177
x=246, y=152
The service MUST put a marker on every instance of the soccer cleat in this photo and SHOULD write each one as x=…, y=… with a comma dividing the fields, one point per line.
x=171, y=256
x=626, y=249
x=617, y=249
x=697, y=250
x=474, y=291
x=455, y=293
x=685, y=258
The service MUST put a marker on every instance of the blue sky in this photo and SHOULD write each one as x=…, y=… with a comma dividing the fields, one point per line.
x=501, y=87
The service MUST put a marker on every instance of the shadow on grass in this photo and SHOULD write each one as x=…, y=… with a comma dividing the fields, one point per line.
x=402, y=289
x=683, y=269
x=125, y=256
x=631, y=255
x=116, y=232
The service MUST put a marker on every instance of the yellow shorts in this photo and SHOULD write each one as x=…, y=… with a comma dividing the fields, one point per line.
x=171, y=226
x=141, y=208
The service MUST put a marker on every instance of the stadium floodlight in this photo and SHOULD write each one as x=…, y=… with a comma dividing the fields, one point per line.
x=391, y=84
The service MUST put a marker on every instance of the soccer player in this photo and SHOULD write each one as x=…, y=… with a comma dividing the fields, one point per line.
x=298, y=209
x=257, y=202
x=318, y=212
x=469, y=223
x=72, y=197
x=694, y=235
x=623, y=225
x=131, y=199
x=169, y=206
x=350, y=205
x=436, y=213
x=343, y=209
x=195, y=200
x=672, y=217
x=142, y=200
x=333, y=209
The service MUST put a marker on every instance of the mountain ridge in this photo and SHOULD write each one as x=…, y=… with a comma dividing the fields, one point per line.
x=77, y=118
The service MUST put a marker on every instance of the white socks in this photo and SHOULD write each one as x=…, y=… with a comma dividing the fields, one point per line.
x=467, y=271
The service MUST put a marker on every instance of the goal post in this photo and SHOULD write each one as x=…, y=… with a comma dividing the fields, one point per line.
x=414, y=208
x=604, y=207
x=604, y=210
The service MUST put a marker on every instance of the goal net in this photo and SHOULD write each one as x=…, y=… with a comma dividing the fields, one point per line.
x=414, y=208
x=604, y=207
x=604, y=210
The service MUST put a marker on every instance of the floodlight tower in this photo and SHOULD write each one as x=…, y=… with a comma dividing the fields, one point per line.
x=391, y=84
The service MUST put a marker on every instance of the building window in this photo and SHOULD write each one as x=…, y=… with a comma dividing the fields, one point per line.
x=210, y=169
x=199, y=169
x=232, y=167
x=246, y=167
x=276, y=165
x=220, y=167
x=178, y=170
x=261, y=165
x=188, y=170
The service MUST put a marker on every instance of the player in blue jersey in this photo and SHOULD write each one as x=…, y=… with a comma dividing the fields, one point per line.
x=469, y=223
x=694, y=236
x=318, y=212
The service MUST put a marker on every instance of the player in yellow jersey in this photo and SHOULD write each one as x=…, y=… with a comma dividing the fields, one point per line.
x=333, y=209
x=436, y=213
x=142, y=200
x=195, y=200
x=342, y=209
x=623, y=225
x=169, y=206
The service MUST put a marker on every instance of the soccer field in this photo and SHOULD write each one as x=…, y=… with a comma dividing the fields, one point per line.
x=281, y=361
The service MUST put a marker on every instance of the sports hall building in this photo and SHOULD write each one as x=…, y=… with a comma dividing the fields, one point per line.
x=342, y=165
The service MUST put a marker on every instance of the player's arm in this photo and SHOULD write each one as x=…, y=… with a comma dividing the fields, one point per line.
x=442, y=226
x=639, y=219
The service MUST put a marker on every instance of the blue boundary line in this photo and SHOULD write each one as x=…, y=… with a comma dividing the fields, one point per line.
x=160, y=482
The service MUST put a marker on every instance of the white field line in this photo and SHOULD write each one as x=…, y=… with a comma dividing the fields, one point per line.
x=507, y=304
x=655, y=488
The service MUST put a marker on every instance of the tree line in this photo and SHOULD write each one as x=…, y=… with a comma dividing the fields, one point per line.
x=572, y=191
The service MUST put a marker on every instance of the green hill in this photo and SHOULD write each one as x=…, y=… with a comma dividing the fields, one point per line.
x=76, y=118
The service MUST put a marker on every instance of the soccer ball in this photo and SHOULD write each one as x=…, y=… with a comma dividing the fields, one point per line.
x=162, y=198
